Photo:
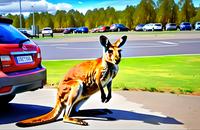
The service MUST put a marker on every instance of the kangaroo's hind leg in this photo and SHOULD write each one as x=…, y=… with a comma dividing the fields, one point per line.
x=73, y=96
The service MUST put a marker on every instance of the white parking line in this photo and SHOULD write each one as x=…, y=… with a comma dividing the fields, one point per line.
x=54, y=45
x=189, y=41
x=168, y=43
x=132, y=46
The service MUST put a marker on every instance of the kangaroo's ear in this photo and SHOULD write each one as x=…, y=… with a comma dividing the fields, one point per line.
x=121, y=41
x=104, y=41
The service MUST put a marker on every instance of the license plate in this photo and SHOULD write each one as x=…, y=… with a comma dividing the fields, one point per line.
x=24, y=59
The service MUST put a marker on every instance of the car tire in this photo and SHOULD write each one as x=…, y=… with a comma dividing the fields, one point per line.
x=42, y=35
x=52, y=35
x=6, y=99
x=118, y=30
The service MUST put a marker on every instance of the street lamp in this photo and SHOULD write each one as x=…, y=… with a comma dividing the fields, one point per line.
x=33, y=27
x=20, y=13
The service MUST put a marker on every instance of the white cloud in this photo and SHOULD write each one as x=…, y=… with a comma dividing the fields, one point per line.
x=80, y=2
x=30, y=5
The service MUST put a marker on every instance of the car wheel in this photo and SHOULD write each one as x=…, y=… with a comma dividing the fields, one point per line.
x=118, y=29
x=52, y=35
x=6, y=99
x=42, y=35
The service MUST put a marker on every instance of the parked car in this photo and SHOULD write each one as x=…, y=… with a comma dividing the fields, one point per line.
x=103, y=29
x=47, y=32
x=139, y=27
x=69, y=30
x=118, y=27
x=185, y=26
x=148, y=27
x=157, y=27
x=152, y=27
x=25, y=32
x=197, y=26
x=94, y=30
x=20, y=63
x=170, y=26
x=81, y=30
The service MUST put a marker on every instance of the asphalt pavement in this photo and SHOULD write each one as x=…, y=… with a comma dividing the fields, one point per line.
x=89, y=47
x=126, y=110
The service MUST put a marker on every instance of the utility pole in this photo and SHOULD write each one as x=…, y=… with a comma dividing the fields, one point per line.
x=20, y=15
x=33, y=27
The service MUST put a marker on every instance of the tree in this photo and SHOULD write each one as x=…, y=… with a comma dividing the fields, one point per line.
x=197, y=17
x=167, y=11
x=127, y=17
x=145, y=12
x=16, y=20
x=187, y=10
x=60, y=19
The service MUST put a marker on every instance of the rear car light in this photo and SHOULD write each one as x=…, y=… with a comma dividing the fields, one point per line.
x=5, y=61
x=5, y=89
x=39, y=55
x=5, y=58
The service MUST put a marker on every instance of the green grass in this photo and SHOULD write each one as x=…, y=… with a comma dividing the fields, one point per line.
x=174, y=74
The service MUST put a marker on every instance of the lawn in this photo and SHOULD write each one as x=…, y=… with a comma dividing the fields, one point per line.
x=174, y=74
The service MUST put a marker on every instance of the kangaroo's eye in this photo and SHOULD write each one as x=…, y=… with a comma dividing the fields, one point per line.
x=110, y=51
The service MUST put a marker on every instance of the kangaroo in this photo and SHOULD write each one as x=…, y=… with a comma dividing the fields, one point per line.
x=81, y=82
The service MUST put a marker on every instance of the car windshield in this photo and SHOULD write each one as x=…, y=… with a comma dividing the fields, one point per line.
x=157, y=24
x=198, y=23
x=186, y=23
x=46, y=29
x=9, y=34
x=121, y=25
x=172, y=24
x=141, y=25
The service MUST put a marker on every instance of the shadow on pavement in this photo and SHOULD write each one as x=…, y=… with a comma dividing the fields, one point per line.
x=113, y=114
x=16, y=112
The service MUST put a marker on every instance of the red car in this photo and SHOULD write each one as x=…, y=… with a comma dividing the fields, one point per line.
x=104, y=29
x=20, y=63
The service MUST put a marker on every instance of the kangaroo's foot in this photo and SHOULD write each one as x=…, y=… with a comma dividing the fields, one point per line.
x=74, y=121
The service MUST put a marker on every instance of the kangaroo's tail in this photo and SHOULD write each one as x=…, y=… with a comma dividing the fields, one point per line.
x=46, y=118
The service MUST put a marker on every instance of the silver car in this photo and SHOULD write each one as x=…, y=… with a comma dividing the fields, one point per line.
x=197, y=26
x=170, y=26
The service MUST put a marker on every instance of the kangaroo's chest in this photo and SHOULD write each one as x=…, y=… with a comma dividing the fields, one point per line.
x=108, y=74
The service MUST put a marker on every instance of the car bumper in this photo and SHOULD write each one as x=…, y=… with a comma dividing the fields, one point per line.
x=23, y=81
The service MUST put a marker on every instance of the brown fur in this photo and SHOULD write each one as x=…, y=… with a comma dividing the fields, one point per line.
x=81, y=82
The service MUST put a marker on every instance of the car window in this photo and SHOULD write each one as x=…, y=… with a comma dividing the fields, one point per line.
x=173, y=24
x=9, y=34
x=186, y=23
x=47, y=29
x=121, y=25
x=157, y=24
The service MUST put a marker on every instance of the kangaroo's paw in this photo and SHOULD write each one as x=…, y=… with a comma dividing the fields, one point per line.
x=75, y=121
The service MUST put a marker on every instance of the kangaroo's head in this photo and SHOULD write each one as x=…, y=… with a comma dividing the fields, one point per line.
x=112, y=52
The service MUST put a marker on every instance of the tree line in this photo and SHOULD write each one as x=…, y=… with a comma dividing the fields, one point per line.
x=147, y=11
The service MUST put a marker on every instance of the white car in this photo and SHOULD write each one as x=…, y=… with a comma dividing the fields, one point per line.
x=197, y=26
x=157, y=27
x=47, y=32
x=152, y=27
x=148, y=27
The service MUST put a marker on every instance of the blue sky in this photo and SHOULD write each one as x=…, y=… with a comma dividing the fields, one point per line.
x=12, y=6
x=118, y=4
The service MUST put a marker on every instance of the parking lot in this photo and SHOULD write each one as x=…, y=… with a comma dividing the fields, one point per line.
x=86, y=46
